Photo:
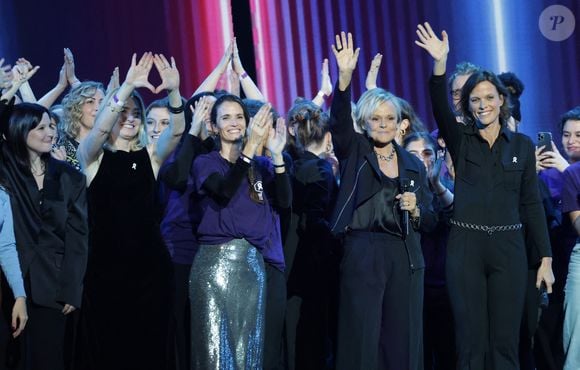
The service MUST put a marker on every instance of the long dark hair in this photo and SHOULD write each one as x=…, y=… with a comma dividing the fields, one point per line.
x=253, y=173
x=472, y=81
x=24, y=118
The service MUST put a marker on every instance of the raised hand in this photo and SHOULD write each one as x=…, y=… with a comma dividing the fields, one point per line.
x=371, y=81
x=277, y=137
x=114, y=80
x=428, y=40
x=236, y=61
x=434, y=175
x=325, y=84
x=200, y=115
x=69, y=64
x=22, y=72
x=227, y=57
x=345, y=53
x=168, y=72
x=138, y=74
x=550, y=159
x=259, y=127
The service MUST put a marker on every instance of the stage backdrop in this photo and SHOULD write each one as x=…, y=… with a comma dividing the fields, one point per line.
x=292, y=37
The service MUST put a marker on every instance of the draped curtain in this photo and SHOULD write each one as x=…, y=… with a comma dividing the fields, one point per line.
x=292, y=37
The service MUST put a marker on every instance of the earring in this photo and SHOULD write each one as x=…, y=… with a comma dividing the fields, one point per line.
x=402, y=132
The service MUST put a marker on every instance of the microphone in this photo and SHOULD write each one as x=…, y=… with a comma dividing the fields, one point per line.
x=405, y=187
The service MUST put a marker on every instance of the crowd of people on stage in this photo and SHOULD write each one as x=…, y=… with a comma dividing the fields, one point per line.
x=213, y=232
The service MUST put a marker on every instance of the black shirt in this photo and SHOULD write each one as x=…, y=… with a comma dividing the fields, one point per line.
x=381, y=212
x=493, y=186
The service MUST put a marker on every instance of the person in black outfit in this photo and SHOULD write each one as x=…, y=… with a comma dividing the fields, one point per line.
x=496, y=191
x=382, y=268
x=439, y=339
x=49, y=205
x=311, y=281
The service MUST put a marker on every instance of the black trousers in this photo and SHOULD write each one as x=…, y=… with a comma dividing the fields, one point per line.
x=181, y=316
x=380, y=305
x=274, y=322
x=486, y=278
x=41, y=346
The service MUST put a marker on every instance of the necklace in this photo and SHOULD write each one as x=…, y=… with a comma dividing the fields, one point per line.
x=386, y=158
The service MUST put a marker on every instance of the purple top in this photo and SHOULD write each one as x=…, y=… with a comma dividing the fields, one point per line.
x=243, y=218
x=571, y=189
x=181, y=216
x=554, y=180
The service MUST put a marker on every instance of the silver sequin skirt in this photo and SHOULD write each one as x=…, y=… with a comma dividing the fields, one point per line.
x=227, y=292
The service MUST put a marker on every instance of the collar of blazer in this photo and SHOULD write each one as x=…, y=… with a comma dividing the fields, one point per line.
x=405, y=161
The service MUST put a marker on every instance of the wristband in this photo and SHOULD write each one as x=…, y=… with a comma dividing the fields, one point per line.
x=243, y=75
x=321, y=93
x=280, y=165
x=245, y=158
x=175, y=110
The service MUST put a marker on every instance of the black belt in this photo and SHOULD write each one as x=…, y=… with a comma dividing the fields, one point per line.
x=488, y=229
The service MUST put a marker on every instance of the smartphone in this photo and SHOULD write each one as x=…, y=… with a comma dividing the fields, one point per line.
x=441, y=153
x=545, y=139
x=543, y=299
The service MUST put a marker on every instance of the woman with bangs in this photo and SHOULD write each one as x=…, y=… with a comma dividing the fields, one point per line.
x=128, y=286
x=383, y=203
x=79, y=107
x=50, y=225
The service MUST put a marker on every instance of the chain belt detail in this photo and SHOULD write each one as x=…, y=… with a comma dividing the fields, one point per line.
x=488, y=229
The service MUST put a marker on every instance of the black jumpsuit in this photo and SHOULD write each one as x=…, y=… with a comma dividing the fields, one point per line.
x=487, y=271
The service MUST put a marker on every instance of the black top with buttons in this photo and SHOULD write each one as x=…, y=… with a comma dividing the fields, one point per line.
x=493, y=186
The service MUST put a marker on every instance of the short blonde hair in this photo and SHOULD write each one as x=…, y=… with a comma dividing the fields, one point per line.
x=369, y=103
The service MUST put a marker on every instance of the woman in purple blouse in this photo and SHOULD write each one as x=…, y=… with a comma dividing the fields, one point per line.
x=240, y=228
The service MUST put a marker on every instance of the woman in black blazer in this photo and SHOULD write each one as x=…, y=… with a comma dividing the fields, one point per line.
x=383, y=203
x=48, y=199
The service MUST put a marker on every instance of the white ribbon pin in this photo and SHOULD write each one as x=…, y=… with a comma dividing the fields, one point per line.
x=134, y=166
x=412, y=184
x=515, y=160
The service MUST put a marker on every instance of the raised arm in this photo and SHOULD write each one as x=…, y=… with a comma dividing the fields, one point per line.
x=211, y=81
x=444, y=117
x=23, y=66
x=50, y=97
x=325, y=85
x=248, y=86
x=176, y=171
x=17, y=79
x=340, y=112
x=137, y=76
x=371, y=81
x=275, y=144
x=169, y=81
x=69, y=64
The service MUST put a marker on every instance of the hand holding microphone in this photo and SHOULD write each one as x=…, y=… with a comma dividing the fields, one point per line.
x=407, y=202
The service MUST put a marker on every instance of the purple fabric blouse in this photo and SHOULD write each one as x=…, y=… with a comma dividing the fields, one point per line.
x=243, y=218
x=571, y=189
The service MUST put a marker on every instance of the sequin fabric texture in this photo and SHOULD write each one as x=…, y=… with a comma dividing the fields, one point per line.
x=227, y=292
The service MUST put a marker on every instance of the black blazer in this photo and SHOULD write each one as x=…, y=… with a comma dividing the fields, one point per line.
x=51, y=230
x=361, y=176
